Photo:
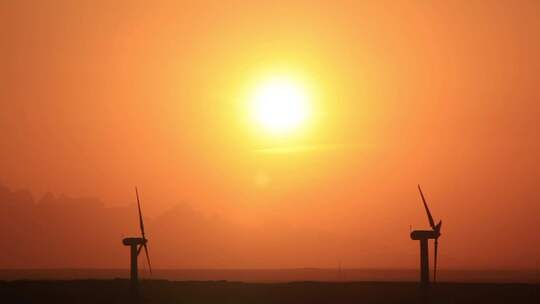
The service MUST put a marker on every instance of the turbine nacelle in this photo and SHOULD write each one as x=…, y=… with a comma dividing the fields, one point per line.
x=425, y=234
x=129, y=241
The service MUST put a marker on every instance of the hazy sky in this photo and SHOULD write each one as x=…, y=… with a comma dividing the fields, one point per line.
x=99, y=96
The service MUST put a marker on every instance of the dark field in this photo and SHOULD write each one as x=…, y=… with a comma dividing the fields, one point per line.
x=161, y=291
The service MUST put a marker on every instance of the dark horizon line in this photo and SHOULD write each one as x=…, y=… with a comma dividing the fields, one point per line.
x=273, y=269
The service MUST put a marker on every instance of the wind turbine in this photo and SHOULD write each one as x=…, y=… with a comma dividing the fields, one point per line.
x=423, y=236
x=136, y=244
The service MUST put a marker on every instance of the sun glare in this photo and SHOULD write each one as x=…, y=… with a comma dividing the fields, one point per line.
x=280, y=105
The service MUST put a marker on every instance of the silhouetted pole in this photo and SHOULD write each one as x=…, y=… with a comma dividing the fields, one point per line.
x=134, y=268
x=134, y=244
x=424, y=262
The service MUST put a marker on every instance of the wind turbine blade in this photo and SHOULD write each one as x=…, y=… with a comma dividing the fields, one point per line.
x=435, y=260
x=141, y=223
x=147, y=258
x=430, y=218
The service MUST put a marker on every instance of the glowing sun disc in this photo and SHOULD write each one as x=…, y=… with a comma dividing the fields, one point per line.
x=280, y=105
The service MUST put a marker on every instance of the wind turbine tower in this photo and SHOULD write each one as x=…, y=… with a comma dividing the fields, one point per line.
x=423, y=236
x=136, y=244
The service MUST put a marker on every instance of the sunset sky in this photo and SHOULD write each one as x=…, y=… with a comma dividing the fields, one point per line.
x=99, y=96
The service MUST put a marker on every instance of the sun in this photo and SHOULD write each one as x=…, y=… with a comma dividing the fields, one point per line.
x=280, y=105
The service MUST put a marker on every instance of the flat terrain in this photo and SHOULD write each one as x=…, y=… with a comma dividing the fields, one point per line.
x=161, y=291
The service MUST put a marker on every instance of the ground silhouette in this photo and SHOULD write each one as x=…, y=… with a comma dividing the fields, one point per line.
x=161, y=291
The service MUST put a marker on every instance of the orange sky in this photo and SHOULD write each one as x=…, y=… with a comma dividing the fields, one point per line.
x=98, y=97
